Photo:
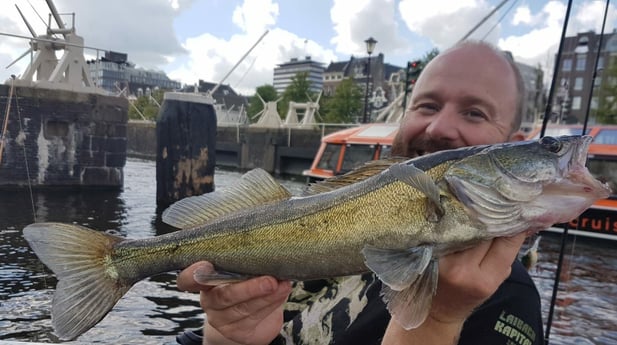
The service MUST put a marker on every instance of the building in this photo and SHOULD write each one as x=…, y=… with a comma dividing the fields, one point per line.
x=115, y=73
x=535, y=101
x=577, y=91
x=284, y=73
x=380, y=92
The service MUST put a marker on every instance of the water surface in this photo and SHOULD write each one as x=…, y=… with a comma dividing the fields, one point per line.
x=154, y=311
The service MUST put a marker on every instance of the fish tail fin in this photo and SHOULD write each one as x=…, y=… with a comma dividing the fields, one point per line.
x=88, y=286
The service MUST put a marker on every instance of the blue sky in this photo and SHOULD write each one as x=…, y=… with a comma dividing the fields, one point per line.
x=203, y=39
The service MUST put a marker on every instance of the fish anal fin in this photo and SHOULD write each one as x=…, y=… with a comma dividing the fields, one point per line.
x=411, y=306
x=256, y=187
x=421, y=181
x=218, y=277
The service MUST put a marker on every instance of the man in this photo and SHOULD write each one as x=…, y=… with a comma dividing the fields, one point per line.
x=471, y=94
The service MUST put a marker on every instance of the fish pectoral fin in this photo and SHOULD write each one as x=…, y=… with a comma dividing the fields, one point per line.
x=219, y=277
x=256, y=187
x=421, y=181
x=410, y=306
x=398, y=269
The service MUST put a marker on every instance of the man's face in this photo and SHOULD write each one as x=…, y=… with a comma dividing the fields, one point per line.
x=464, y=97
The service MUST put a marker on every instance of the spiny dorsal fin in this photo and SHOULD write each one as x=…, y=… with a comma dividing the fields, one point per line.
x=256, y=187
x=361, y=173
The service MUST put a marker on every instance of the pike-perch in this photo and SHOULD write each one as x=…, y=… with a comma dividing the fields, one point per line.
x=394, y=219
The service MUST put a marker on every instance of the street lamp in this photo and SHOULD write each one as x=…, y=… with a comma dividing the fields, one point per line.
x=370, y=46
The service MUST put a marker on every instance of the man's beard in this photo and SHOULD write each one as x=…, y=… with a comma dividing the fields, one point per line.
x=419, y=146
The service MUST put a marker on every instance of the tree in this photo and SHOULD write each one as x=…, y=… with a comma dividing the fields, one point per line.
x=298, y=91
x=345, y=104
x=607, y=95
x=145, y=105
x=268, y=93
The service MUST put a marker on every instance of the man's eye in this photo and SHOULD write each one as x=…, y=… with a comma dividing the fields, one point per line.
x=427, y=107
x=476, y=114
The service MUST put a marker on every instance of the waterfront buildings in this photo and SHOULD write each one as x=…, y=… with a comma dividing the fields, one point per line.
x=284, y=73
x=116, y=74
x=581, y=86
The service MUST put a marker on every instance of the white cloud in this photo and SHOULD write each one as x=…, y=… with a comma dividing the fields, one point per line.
x=447, y=21
x=589, y=17
x=355, y=21
x=522, y=15
x=255, y=15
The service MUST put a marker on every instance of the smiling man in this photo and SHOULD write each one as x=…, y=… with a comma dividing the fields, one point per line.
x=470, y=94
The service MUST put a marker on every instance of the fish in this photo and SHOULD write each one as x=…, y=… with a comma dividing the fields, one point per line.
x=395, y=220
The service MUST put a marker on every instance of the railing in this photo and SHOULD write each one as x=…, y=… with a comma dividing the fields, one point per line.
x=321, y=126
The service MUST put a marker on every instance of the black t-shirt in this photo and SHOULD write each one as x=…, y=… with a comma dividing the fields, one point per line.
x=512, y=316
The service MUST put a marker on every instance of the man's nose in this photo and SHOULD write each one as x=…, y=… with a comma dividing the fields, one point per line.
x=443, y=125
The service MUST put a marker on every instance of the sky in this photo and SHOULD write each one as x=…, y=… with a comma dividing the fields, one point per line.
x=203, y=39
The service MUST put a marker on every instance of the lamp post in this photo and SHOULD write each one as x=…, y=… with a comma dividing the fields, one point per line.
x=370, y=45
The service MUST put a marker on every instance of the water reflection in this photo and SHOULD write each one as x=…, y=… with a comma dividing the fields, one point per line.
x=154, y=311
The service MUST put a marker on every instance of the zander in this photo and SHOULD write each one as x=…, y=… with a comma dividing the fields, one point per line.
x=393, y=218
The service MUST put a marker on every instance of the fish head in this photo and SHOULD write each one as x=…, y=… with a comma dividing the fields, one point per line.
x=528, y=185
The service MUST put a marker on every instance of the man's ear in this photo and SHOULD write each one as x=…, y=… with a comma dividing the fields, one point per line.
x=517, y=136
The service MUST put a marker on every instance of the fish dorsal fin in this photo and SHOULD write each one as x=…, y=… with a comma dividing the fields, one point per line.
x=421, y=181
x=361, y=173
x=256, y=187
x=409, y=280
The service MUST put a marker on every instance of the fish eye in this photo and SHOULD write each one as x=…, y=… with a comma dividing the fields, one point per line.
x=551, y=144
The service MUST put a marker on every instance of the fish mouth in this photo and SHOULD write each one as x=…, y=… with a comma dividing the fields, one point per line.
x=574, y=169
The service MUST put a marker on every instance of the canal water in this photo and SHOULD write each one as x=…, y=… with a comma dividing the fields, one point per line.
x=154, y=311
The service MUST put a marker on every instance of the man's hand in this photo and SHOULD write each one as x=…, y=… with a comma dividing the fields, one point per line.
x=247, y=312
x=466, y=280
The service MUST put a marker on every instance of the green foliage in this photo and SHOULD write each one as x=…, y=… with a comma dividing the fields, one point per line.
x=607, y=95
x=345, y=104
x=430, y=55
x=297, y=91
x=146, y=106
x=268, y=93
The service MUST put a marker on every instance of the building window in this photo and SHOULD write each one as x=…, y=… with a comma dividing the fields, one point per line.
x=567, y=65
x=581, y=62
x=601, y=62
x=576, y=103
x=578, y=84
x=594, y=103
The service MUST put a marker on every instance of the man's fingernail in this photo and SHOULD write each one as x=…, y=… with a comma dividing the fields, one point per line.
x=203, y=274
x=266, y=285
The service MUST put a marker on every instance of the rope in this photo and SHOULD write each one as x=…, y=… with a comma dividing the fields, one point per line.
x=26, y=161
x=6, y=119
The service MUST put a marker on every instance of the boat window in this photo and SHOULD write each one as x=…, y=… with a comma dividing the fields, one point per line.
x=329, y=159
x=357, y=155
x=556, y=132
x=605, y=169
x=606, y=136
x=385, y=152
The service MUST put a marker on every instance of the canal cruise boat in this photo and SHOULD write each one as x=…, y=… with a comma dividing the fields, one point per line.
x=347, y=149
